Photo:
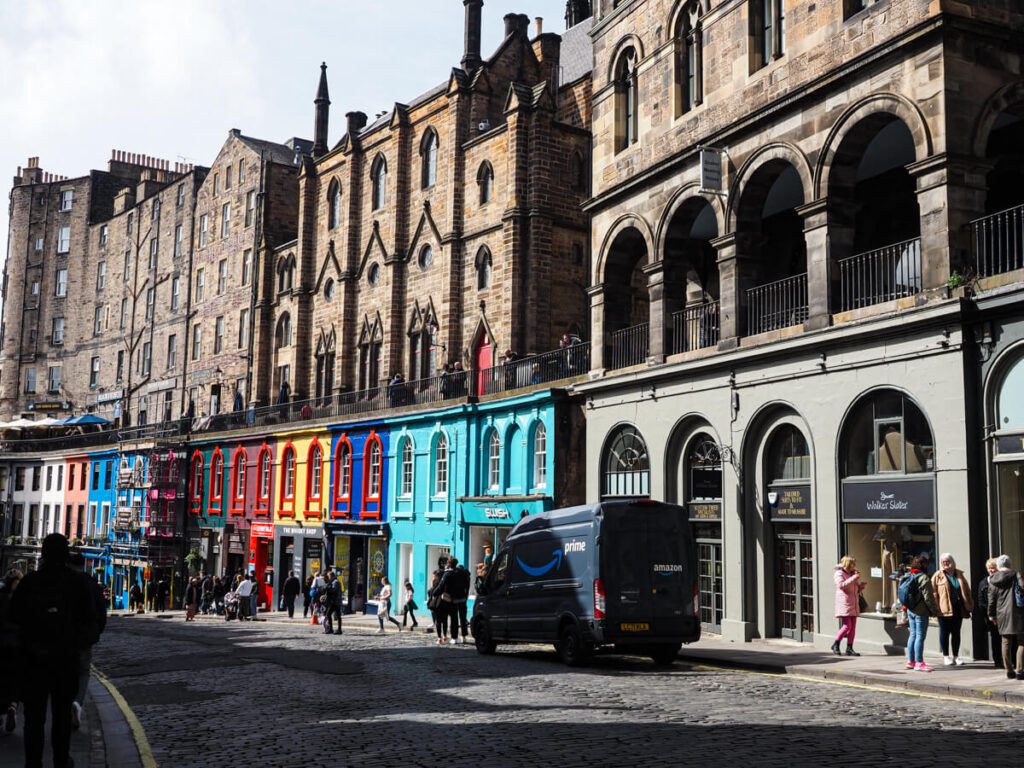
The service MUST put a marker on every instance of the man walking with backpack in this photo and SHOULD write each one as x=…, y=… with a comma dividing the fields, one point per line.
x=56, y=617
x=1006, y=610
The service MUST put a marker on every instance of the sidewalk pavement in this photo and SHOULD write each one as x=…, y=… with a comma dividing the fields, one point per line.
x=975, y=680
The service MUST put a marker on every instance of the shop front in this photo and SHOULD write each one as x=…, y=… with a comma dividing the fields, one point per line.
x=1008, y=462
x=233, y=541
x=358, y=554
x=300, y=551
x=261, y=559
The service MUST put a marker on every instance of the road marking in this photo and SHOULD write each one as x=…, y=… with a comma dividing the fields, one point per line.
x=862, y=686
x=138, y=732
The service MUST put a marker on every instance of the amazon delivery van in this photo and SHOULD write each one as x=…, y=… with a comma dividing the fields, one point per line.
x=616, y=573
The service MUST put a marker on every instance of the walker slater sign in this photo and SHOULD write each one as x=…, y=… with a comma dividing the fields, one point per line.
x=903, y=499
x=790, y=502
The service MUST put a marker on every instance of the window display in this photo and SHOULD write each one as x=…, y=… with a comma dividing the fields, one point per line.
x=880, y=549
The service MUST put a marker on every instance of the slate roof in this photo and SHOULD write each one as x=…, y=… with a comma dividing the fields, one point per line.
x=577, y=54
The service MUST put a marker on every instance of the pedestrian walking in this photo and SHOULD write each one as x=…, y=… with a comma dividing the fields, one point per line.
x=307, y=597
x=918, y=598
x=332, y=600
x=438, y=610
x=848, y=595
x=291, y=590
x=220, y=589
x=162, y=592
x=135, y=598
x=8, y=652
x=409, y=606
x=981, y=615
x=954, y=601
x=454, y=594
x=254, y=598
x=55, y=615
x=1006, y=615
x=384, y=606
x=76, y=561
x=244, y=592
x=206, y=592
x=191, y=599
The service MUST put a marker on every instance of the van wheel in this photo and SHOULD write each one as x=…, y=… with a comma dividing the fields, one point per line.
x=571, y=648
x=482, y=638
x=665, y=655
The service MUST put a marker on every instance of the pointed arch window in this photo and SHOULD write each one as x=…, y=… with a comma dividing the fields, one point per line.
x=494, y=461
x=238, y=482
x=483, y=269
x=428, y=157
x=334, y=205
x=379, y=178
x=285, y=273
x=216, y=481
x=283, y=334
x=485, y=180
x=441, y=466
x=626, y=99
x=540, y=457
x=343, y=470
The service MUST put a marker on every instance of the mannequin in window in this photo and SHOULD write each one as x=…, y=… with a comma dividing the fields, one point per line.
x=890, y=455
x=889, y=541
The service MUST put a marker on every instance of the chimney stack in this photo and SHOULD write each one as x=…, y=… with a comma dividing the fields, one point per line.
x=471, y=55
x=355, y=121
x=323, y=106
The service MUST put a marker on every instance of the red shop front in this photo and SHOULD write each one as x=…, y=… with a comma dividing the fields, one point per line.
x=261, y=559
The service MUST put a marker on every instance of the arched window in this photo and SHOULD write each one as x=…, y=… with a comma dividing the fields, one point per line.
x=886, y=432
x=540, y=456
x=428, y=158
x=1010, y=405
x=626, y=466
x=406, y=468
x=578, y=172
x=285, y=273
x=789, y=456
x=288, y=478
x=494, y=461
x=689, y=60
x=703, y=469
x=379, y=178
x=373, y=469
x=216, y=480
x=238, y=483
x=626, y=100
x=343, y=470
x=283, y=335
x=333, y=204
x=441, y=466
x=196, y=479
x=263, y=486
x=485, y=180
x=483, y=269
x=314, y=471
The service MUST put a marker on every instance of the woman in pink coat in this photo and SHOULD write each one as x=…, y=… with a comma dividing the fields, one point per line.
x=848, y=589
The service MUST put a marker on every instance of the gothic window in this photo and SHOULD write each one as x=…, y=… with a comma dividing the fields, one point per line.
x=483, y=269
x=283, y=335
x=485, y=180
x=626, y=92
x=689, y=60
x=428, y=157
x=334, y=205
x=379, y=177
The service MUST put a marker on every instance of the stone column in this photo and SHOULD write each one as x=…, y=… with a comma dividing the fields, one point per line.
x=658, y=332
x=597, y=329
x=821, y=272
x=736, y=275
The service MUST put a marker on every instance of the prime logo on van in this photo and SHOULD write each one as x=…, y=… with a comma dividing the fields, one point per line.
x=556, y=562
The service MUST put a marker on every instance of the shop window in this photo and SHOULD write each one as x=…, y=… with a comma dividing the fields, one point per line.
x=196, y=481
x=441, y=466
x=1010, y=405
x=789, y=456
x=886, y=432
x=314, y=473
x=626, y=469
x=704, y=469
x=216, y=482
x=540, y=457
x=238, y=482
x=343, y=470
x=406, y=468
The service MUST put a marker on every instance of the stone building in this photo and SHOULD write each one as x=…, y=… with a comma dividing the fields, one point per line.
x=448, y=229
x=799, y=209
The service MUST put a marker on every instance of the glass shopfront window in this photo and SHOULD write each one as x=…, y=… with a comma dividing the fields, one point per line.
x=479, y=537
x=1009, y=445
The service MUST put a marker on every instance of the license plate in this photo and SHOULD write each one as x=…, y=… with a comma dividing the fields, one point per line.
x=635, y=627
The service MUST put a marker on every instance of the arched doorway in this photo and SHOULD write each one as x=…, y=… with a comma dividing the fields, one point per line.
x=787, y=474
x=627, y=301
x=770, y=235
x=691, y=277
x=702, y=482
x=999, y=235
x=1009, y=462
x=874, y=218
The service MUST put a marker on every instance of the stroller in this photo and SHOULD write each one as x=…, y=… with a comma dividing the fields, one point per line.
x=230, y=606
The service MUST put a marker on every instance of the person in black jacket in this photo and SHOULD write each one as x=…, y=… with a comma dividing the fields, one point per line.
x=332, y=604
x=291, y=590
x=219, y=590
x=437, y=611
x=455, y=592
x=56, y=617
x=981, y=614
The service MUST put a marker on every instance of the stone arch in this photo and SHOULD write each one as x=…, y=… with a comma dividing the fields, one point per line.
x=682, y=433
x=626, y=41
x=624, y=222
x=682, y=7
x=997, y=103
x=684, y=195
x=776, y=153
x=881, y=108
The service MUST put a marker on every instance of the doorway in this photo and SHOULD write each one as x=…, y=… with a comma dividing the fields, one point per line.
x=794, y=568
x=482, y=361
x=710, y=599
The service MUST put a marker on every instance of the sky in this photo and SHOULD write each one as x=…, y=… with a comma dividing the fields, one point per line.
x=169, y=79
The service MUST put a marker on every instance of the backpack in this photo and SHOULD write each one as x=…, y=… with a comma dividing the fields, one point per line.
x=50, y=624
x=909, y=591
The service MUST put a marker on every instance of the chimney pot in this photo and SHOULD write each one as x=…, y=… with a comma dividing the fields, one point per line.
x=539, y=21
x=471, y=48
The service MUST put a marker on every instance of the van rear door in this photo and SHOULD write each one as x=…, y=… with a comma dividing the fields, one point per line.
x=647, y=567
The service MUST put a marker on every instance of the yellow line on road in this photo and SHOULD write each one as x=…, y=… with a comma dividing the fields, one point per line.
x=862, y=686
x=138, y=732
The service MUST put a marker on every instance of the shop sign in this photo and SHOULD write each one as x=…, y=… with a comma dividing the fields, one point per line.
x=49, y=406
x=298, y=530
x=790, y=502
x=111, y=396
x=890, y=499
x=1010, y=444
x=160, y=386
x=505, y=512
x=235, y=545
x=705, y=510
x=261, y=530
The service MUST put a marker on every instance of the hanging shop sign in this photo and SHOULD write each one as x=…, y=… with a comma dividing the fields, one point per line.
x=705, y=510
x=789, y=503
x=902, y=498
x=235, y=544
x=506, y=510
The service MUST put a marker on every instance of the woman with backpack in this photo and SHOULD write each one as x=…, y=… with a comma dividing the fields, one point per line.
x=848, y=589
x=917, y=596
x=954, y=601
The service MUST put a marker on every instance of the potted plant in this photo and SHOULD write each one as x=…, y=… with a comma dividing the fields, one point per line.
x=194, y=560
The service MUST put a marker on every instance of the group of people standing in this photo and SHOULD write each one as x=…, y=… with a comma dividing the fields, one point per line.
x=945, y=595
x=447, y=599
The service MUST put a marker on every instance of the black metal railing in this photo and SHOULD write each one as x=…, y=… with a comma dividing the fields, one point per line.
x=533, y=370
x=695, y=327
x=777, y=305
x=52, y=442
x=998, y=241
x=883, y=274
x=630, y=346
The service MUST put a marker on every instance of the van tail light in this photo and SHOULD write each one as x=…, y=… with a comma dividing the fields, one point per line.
x=696, y=599
x=598, y=599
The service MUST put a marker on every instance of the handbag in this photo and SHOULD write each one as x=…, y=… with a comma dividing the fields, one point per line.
x=862, y=603
x=445, y=597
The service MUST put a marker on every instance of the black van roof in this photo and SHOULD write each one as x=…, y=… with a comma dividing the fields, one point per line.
x=569, y=515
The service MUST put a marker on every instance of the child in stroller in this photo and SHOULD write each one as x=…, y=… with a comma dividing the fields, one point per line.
x=230, y=605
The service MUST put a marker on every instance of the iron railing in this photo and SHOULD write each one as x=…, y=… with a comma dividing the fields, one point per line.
x=630, y=346
x=533, y=370
x=883, y=274
x=59, y=443
x=695, y=327
x=998, y=241
x=777, y=305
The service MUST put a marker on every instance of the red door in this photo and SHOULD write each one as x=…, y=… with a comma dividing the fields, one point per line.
x=484, y=360
x=261, y=564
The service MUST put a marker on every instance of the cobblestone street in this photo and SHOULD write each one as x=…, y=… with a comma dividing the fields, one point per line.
x=227, y=694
